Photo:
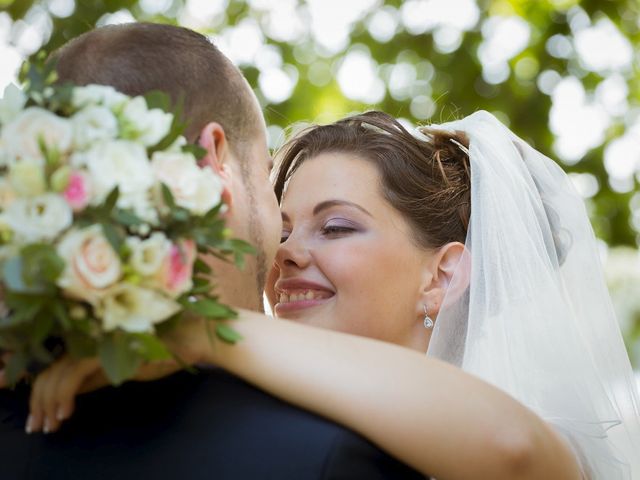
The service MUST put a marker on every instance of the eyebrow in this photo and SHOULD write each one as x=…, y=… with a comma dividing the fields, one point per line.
x=332, y=203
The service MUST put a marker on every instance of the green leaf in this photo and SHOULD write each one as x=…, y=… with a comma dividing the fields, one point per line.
x=167, y=196
x=59, y=310
x=158, y=99
x=119, y=360
x=41, y=328
x=201, y=285
x=150, y=347
x=200, y=266
x=111, y=200
x=196, y=150
x=41, y=264
x=112, y=235
x=227, y=334
x=80, y=345
x=126, y=217
x=24, y=314
x=180, y=214
x=210, y=309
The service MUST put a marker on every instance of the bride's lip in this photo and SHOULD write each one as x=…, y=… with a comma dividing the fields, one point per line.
x=297, y=294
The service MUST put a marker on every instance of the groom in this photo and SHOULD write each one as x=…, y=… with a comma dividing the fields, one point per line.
x=209, y=425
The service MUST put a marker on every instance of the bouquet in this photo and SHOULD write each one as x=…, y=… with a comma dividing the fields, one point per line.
x=103, y=212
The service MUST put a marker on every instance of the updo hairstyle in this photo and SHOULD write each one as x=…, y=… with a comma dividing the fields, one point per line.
x=428, y=182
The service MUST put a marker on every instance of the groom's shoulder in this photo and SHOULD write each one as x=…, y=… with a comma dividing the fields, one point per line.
x=192, y=426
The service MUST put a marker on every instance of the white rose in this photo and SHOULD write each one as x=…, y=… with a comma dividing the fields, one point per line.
x=118, y=163
x=98, y=95
x=40, y=218
x=93, y=124
x=21, y=136
x=12, y=103
x=27, y=177
x=135, y=309
x=91, y=264
x=147, y=256
x=194, y=188
x=150, y=126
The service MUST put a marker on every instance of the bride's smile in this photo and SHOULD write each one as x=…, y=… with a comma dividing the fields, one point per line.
x=297, y=293
x=347, y=253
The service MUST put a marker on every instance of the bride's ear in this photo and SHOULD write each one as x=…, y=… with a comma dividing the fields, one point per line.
x=440, y=281
x=214, y=141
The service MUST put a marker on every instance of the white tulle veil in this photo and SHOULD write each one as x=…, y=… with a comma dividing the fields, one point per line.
x=528, y=310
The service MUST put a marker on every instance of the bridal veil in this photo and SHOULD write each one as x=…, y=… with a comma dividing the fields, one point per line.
x=527, y=309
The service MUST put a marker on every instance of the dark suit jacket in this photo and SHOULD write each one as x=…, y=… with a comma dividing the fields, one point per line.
x=205, y=426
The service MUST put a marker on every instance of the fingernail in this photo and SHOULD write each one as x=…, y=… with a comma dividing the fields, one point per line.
x=29, y=426
x=46, y=427
x=60, y=414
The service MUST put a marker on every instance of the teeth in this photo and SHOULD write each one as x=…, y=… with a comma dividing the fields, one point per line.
x=299, y=296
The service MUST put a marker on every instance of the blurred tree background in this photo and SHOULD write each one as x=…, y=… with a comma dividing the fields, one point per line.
x=563, y=74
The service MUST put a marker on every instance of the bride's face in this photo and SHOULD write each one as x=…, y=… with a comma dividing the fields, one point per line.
x=346, y=261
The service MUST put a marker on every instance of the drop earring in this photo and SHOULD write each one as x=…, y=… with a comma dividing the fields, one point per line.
x=428, y=322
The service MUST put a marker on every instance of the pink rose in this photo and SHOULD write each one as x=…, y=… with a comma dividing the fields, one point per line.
x=77, y=194
x=176, y=270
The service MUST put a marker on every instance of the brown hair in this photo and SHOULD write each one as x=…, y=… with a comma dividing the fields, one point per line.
x=136, y=58
x=428, y=182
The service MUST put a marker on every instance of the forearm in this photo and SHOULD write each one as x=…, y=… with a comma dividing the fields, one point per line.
x=427, y=413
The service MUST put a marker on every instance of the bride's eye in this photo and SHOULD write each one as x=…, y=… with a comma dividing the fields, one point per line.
x=338, y=229
x=284, y=235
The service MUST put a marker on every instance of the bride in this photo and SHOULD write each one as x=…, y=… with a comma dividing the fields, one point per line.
x=461, y=241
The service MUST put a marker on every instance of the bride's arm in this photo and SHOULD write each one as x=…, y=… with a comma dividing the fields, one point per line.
x=430, y=415
x=427, y=413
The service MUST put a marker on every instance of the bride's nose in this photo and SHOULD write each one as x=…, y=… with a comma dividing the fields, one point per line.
x=293, y=253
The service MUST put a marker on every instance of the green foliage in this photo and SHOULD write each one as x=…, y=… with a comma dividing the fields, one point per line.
x=118, y=357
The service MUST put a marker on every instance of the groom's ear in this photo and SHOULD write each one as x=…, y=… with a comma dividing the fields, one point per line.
x=440, y=281
x=214, y=140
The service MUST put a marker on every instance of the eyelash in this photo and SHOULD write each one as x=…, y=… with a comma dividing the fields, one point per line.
x=329, y=230
x=335, y=230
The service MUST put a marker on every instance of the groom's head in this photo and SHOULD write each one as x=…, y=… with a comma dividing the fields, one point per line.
x=222, y=113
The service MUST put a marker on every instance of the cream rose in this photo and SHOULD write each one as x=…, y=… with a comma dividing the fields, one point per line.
x=20, y=138
x=194, y=188
x=27, y=177
x=147, y=256
x=93, y=124
x=40, y=218
x=91, y=264
x=135, y=309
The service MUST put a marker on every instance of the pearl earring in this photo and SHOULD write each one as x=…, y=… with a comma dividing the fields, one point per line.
x=428, y=322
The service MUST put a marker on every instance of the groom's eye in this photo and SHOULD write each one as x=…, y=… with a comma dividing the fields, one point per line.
x=284, y=236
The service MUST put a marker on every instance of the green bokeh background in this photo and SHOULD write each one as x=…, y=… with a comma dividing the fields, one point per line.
x=454, y=83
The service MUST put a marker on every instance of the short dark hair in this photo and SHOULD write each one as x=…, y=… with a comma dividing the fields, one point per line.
x=136, y=58
x=428, y=182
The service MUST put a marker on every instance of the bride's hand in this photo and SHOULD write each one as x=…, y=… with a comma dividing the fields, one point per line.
x=55, y=389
